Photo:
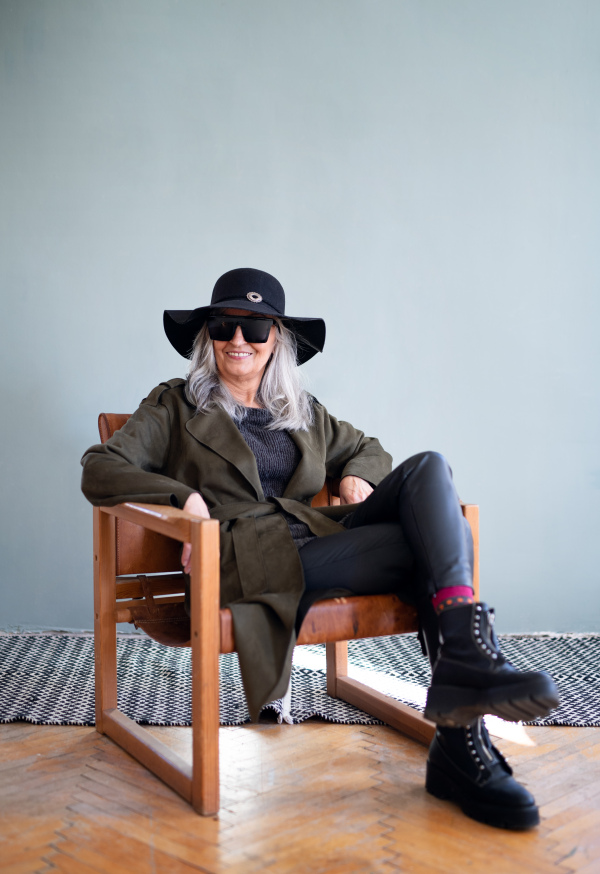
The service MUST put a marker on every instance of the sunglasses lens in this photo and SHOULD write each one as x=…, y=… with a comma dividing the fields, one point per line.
x=220, y=329
x=254, y=330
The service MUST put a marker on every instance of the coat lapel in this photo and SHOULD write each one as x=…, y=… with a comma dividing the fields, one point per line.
x=219, y=433
x=309, y=476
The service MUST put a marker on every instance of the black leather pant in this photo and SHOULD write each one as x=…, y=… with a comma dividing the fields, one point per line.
x=409, y=537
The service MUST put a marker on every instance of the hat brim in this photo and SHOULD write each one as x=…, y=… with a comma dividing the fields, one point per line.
x=182, y=326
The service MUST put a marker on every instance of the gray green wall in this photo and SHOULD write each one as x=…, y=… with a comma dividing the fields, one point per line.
x=422, y=173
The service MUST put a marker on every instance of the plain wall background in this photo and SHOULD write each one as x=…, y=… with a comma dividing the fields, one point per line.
x=421, y=173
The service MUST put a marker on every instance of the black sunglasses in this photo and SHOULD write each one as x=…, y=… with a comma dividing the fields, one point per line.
x=254, y=329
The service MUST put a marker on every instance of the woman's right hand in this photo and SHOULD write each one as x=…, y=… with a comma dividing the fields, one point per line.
x=196, y=506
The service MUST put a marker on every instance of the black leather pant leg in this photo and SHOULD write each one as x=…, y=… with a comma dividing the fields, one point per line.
x=368, y=560
x=420, y=495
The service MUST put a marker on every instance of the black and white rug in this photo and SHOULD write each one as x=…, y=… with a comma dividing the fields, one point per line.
x=49, y=678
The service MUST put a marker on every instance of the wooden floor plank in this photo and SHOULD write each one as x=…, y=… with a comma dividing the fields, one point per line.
x=16, y=856
x=118, y=855
x=24, y=866
x=169, y=839
x=311, y=798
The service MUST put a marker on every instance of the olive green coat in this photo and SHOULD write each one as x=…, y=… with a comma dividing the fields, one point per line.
x=167, y=451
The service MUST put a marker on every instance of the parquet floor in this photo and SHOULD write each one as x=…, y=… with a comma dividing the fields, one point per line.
x=310, y=798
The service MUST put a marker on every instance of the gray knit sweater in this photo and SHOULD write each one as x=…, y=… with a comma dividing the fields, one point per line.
x=277, y=457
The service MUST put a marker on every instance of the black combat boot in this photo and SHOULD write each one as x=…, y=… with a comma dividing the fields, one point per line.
x=471, y=676
x=463, y=766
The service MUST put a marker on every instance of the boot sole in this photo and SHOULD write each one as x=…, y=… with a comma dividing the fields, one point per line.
x=438, y=783
x=456, y=706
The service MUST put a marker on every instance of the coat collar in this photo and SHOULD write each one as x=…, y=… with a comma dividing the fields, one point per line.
x=217, y=431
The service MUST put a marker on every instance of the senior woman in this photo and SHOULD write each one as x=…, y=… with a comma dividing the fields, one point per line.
x=239, y=440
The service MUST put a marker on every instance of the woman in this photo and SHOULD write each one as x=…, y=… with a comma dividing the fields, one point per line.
x=240, y=441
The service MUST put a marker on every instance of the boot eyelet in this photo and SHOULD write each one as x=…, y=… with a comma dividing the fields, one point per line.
x=494, y=655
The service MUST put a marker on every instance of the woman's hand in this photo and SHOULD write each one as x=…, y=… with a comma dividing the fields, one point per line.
x=353, y=490
x=196, y=506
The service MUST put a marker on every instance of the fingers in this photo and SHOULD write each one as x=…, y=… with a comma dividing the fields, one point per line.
x=186, y=557
x=196, y=505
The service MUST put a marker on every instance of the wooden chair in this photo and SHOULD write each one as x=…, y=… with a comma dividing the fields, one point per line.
x=133, y=541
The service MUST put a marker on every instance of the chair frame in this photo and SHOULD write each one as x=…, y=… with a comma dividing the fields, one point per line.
x=211, y=633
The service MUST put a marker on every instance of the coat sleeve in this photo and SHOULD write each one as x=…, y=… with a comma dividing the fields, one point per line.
x=131, y=465
x=350, y=453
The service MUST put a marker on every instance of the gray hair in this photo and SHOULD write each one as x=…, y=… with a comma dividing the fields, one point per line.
x=280, y=391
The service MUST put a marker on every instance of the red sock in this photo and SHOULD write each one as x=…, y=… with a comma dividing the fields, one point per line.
x=452, y=596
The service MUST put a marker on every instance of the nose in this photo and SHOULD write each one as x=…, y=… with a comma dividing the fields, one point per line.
x=238, y=337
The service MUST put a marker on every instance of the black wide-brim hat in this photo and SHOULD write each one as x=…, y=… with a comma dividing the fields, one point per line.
x=245, y=289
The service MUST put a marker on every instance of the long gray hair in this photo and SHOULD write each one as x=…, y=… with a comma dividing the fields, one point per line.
x=280, y=391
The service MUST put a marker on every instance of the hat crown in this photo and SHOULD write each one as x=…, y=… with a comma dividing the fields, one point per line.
x=246, y=287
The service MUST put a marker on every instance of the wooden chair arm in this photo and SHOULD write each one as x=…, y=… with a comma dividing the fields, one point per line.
x=170, y=521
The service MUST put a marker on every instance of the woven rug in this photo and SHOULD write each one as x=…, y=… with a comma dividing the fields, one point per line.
x=49, y=678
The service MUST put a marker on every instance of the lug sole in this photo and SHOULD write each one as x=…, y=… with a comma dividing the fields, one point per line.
x=442, y=786
x=455, y=706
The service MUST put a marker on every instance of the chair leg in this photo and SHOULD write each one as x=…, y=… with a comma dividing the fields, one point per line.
x=204, y=610
x=336, y=655
x=133, y=738
x=406, y=719
x=105, y=629
x=200, y=783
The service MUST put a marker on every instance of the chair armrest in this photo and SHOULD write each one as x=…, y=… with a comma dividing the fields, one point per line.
x=170, y=521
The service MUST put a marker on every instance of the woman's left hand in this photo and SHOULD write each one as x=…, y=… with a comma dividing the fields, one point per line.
x=353, y=490
x=195, y=505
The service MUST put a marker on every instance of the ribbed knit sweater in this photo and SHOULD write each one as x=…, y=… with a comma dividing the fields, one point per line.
x=277, y=457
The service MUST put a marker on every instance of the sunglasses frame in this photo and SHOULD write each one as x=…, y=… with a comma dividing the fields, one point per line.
x=242, y=321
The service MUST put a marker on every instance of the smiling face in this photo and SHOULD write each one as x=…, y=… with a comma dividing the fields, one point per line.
x=241, y=364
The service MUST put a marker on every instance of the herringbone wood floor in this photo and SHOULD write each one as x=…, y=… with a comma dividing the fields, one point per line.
x=309, y=798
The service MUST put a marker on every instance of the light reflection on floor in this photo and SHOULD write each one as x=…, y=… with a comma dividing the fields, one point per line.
x=411, y=693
